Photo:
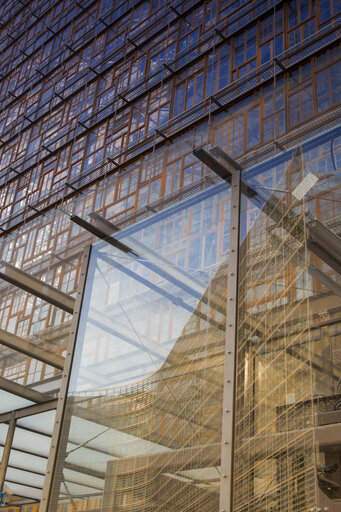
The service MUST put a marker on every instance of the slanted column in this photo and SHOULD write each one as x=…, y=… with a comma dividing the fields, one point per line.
x=7, y=452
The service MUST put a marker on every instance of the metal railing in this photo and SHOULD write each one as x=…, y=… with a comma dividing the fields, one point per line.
x=21, y=29
x=244, y=17
x=66, y=51
x=226, y=96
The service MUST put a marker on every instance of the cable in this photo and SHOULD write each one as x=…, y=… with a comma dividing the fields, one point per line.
x=157, y=368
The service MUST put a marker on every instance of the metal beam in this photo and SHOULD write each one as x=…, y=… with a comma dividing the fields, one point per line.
x=31, y=284
x=232, y=166
x=161, y=265
x=324, y=255
x=49, y=492
x=230, y=171
x=22, y=391
x=31, y=349
x=31, y=410
x=7, y=451
x=324, y=279
x=84, y=470
x=102, y=235
x=325, y=238
x=227, y=445
x=209, y=159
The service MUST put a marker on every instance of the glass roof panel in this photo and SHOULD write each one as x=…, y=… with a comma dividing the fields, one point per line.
x=115, y=443
x=24, y=477
x=30, y=441
x=10, y=402
x=51, y=385
x=84, y=457
x=3, y=432
x=26, y=461
x=40, y=422
x=83, y=478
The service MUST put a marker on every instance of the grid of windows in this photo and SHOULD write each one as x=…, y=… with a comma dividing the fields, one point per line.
x=96, y=88
x=54, y=129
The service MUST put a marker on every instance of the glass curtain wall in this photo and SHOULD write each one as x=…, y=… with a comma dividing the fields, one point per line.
x=143, y=423
x=143, y=418
x=287, y=427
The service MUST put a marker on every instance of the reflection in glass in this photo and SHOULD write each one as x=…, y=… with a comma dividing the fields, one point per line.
x=143, y=424
x=287, y=427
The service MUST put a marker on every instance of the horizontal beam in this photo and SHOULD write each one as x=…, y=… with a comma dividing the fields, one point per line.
x=193, y=457
x=102, y=235
x=22, y=391
x=320, y=234
x=26, y=452
x=324, y=255
x=325, y=279
x=231, y=167
x=84, y=470
x=31, y=349
x=31, y=284
x=209, y=159
x=30, y=486
x=223, y=165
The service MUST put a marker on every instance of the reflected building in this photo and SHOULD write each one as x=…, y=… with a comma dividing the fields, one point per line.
x=170, y=290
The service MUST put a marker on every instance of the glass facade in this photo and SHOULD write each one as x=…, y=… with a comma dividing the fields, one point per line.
x=147, y=383
x=147, y=380
x=103, y=106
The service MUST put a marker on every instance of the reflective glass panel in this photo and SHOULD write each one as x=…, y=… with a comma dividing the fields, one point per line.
x=143, y=422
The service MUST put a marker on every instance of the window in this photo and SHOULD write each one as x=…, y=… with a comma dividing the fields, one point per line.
x=159, y=106
x=328, y=9
x=328, y=86
x=189, y=92
x=301, y=106
x=210, y=14
x=271, y=36
x=230, y=136
x=301, y=18
x=253, y=127
x=273, y=112
x=245, y=52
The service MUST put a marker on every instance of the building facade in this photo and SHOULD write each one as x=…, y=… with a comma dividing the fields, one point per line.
x=170, y=304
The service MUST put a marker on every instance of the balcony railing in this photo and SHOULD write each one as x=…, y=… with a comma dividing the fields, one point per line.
x=228, y=95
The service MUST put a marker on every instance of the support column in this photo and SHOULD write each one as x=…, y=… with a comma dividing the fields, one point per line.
x=230, y=349
x=7, y=451
x=60, y=412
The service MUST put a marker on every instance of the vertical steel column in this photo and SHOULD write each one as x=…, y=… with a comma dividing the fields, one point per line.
x=56, y=435
x=230, y=348
x=7, y=450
